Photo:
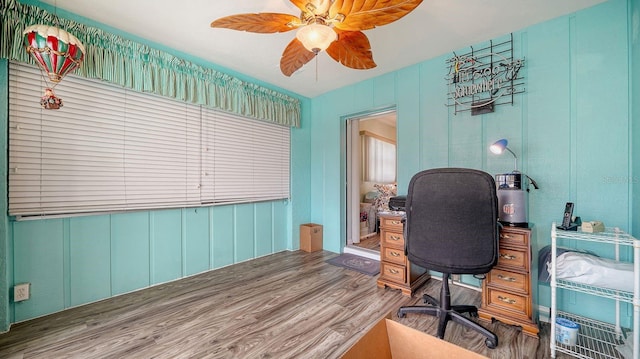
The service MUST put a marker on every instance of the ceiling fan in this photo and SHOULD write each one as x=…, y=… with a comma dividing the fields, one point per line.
x=332, y=25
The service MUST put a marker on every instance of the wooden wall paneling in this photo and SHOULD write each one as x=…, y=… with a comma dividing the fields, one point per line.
x=263, y=229
x=300, y=208
x=465, y=140
x=326, y=171
x=281, y=225
x=129, y=252
x=223, y=235
x=434, y=115
x=197, y=240
x=384, y=90
x=409, y=150
x=244, y=232
x=363, y=96
x=548, y=122
x=89, y=259
x=6, y=245
x=635, y=117
x=319, y=115
x=166, y=252
x=40, y=262
x=602, y=118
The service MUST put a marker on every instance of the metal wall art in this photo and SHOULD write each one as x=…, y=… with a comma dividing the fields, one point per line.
x=484, y=78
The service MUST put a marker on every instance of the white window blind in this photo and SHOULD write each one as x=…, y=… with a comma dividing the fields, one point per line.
x=255, y=164
x=379, y=160
x=110, y=149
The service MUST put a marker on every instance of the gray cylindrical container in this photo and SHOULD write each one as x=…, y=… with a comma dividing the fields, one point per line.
x=512, y=199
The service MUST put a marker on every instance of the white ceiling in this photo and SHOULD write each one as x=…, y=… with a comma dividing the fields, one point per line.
x=436, y=27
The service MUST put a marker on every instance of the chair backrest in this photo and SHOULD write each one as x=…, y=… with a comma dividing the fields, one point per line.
x=452, y=221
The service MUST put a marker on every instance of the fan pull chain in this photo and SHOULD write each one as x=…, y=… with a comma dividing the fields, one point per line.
x=316, y=67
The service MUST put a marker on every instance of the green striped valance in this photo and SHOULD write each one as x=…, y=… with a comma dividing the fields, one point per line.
x=133, y=65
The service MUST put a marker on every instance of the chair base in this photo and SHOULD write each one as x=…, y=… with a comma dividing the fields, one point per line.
x=446, y=312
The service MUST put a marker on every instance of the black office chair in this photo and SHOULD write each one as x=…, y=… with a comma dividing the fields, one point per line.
x=452, y=227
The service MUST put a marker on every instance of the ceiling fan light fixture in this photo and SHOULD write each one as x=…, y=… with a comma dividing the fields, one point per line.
x=316, y=37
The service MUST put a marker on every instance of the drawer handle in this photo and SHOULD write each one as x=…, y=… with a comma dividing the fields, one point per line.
x=393, y=271
x=396, y=222
x=505, y=236
x=507, y=300
x=394, y=238
x=507, y=256
x=394, y=254
x=508, y=279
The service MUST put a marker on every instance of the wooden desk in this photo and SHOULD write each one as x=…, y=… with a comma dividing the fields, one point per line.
x=506, y=292
x=395, y=269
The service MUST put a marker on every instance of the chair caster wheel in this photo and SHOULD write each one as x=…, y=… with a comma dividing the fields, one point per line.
x=473, y=314
x=490, y=344
x=401, y=314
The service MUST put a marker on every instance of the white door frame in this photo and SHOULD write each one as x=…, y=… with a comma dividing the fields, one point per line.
x=353, y=175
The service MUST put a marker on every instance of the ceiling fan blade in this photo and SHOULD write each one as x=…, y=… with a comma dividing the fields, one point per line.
x=367, y=14
x=264, y=23
x=294, y=57
x=352, y=49
x=313, y=7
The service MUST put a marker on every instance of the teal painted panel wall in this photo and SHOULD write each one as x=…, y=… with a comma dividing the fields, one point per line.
x=89, y=269
x=245, y=244
x=167, y=247
x=6, y=261
x=263, y=229
x=408, y=108
x=39, y=260
x=79, y=260
x=329, y=114
x=130, y=247
x=300, y=209
x=223, y=234
x=634, y=96
x=281, y=225
x=570, y=129
x=197, y=240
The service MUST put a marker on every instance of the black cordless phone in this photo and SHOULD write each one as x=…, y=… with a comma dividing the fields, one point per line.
x=568, y=213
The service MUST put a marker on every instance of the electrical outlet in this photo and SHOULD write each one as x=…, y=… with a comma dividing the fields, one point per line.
x=21, y=292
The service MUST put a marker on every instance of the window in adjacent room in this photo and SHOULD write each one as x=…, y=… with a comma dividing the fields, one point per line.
x=378, y=158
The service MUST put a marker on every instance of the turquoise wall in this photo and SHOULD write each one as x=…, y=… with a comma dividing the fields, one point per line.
x=73, y=261
x=5, y=249
x=634, y=95
x=571, y=130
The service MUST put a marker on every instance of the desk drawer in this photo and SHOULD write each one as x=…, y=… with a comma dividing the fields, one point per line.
x=509, y=280
x=393, y=224
x=394, y=255
x=501, y=300
x=393, y=239
x=393, y=272
x=508, y=237
x=513, y=258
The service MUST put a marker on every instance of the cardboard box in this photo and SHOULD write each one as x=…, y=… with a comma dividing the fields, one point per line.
x=310, y=237
x=391, y=340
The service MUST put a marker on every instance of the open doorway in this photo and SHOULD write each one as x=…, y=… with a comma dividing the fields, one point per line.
x=371, y=178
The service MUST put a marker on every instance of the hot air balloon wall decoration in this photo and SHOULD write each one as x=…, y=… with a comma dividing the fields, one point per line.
x=57, y=53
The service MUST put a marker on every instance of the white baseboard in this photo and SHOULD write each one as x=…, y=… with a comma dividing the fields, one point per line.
x=367, y=253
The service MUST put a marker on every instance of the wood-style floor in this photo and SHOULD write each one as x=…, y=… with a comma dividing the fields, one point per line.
x=285, y=305
x=372, y=243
